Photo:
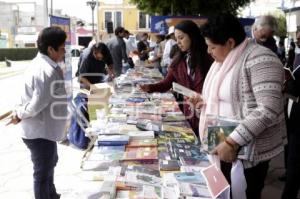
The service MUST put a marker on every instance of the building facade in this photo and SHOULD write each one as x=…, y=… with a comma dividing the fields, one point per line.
x=121, y=13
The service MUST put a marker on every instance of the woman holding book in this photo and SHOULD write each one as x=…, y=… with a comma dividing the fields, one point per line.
x=188, y=68
x=244, y=83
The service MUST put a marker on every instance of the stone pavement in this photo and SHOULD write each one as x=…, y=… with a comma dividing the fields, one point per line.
x=16, y=171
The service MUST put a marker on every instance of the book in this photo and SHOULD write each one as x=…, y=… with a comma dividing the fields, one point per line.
x=112, y=140
x=98, y=165
x=108, y=149
x=194, y=190
x=148, y=125
x=105, y=157
x=108, y=188
x=139, y=179
x=183, y=90
x=143, y=143
x=215, y=180
x=192, y=161
x=135, y=99
x=127, y=194
x=140, y=135
x=218, y=129
x=217, y=135
x=140, y=153
x=176, y=135
x=190, y=177
x=169, y=165
x=139, y=169
x=166, y=127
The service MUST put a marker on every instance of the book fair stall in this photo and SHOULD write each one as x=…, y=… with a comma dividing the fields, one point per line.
x=142, y=146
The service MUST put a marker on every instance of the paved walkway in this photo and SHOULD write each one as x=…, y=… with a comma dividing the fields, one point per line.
x=16, y=170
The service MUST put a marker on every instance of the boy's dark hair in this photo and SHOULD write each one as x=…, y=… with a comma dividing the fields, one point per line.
x=51, y=36
x=103, y=49
x=220, y=28
x=119, y=30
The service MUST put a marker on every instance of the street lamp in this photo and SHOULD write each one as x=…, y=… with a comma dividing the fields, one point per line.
x=93, y=5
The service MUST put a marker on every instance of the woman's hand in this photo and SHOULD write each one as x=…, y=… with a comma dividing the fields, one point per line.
x=196, y=101
x=144, y=87
x=227, y=151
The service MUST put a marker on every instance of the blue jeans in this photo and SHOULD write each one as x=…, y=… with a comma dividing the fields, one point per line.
x=44, y=158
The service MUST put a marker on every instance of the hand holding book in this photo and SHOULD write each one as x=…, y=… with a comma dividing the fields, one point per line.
x=197, y=101
x=227, y=150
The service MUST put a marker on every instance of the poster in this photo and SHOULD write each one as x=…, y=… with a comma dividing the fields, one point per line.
x=161, y=24
x=64, y=23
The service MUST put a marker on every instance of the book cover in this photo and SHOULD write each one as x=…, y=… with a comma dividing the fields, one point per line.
x=98, y=165
x=112, y=140
x=127, y=194
x=108, y=149
x=140, y=135
x=183, y=90
x=143, y=143
x=140, y=153
x=169, y=165
x=148, y=125
x=215, y=180
x=217, y=135
x=166, y=127
x=105, y=156
x=140, y=179
x=190, y=177
x=202, y=161
x=194, y=190
x=139, y=169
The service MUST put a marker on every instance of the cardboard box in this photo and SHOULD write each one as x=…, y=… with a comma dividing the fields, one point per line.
x=98, y=97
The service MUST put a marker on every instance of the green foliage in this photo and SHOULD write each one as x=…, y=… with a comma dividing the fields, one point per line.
x=16, y=54
x=190, y=7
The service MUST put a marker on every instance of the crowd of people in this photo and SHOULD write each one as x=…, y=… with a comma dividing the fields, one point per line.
x=234, y=77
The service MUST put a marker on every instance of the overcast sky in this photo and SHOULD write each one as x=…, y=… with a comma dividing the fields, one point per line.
x=76, y=8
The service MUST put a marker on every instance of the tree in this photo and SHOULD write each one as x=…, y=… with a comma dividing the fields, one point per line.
x=190, y=7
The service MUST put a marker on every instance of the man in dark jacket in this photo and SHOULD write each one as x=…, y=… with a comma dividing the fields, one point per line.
x=96, y=62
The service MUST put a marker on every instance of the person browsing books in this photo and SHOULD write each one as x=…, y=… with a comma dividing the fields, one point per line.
x=292, y=183
x=188, y=68
x=42, y=113
x=244, y=83
x=95, y=64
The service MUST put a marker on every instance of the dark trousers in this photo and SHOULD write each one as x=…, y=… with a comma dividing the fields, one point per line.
x=255, y=178
x=44, y=158
x=292, y=183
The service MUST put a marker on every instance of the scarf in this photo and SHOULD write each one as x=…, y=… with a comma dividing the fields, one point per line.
x=212, y=83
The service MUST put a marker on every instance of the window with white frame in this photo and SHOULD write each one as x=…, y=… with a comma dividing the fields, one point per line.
x=113, y=16
x=143, y=20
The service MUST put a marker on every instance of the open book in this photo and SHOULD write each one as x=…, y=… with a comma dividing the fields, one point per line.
x=183, y=90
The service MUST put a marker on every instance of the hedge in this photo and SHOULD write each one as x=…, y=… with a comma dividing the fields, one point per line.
x=16, y=54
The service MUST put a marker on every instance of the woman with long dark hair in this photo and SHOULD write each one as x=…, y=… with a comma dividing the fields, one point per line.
x=188, y=68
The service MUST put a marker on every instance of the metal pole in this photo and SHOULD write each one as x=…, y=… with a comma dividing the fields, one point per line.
x=93, y=29
x=92, y=4
x=51, y=7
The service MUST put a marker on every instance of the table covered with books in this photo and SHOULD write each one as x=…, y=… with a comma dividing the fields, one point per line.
x=144, y=147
